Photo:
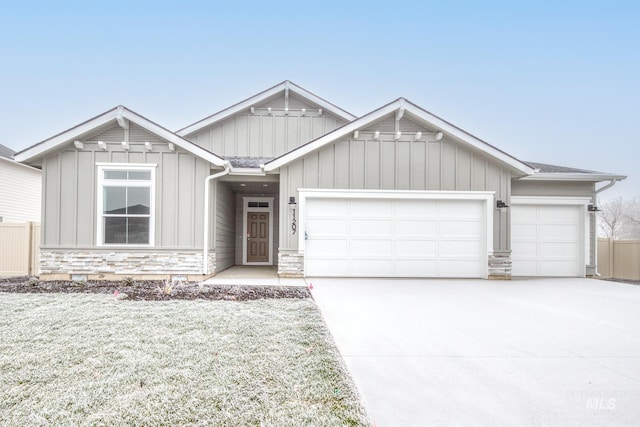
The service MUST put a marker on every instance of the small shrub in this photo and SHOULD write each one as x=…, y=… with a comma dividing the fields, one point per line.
x=79, y=283
x=33, y=281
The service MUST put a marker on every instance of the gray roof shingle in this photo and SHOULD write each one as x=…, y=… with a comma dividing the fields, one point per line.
x=6, y=152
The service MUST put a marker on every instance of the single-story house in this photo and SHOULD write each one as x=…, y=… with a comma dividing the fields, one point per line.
x=287, y=178
x=20, y=186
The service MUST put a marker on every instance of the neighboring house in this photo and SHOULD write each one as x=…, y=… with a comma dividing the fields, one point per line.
x=286, y=178
x=20, y=186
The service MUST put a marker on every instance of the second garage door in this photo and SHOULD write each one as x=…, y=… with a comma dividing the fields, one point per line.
x=547, y=240
x=395, y=238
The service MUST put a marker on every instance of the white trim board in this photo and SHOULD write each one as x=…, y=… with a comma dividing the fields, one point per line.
x=486, y=196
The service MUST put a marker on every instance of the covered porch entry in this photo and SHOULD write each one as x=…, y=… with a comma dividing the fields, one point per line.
x=245, y=221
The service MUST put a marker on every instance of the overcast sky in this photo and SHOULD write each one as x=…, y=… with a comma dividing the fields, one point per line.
x=546, y=82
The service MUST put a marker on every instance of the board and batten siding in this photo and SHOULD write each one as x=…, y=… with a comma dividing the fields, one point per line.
x=396, y=165
x=225, y=227
x=70, y=190
x=20, y=192
x=266, y=135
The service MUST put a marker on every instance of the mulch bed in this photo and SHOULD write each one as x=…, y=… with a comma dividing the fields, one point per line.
x=152, y=290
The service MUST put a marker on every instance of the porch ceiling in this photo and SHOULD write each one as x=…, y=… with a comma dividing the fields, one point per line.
x=250, y=187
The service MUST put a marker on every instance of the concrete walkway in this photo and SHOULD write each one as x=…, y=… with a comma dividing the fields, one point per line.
x=253, y=276
x=553, y=352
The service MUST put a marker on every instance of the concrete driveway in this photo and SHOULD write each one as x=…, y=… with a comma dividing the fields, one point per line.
x=550, y=352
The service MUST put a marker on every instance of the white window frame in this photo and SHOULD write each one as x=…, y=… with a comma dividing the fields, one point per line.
x=101, y=168
x=245, y=210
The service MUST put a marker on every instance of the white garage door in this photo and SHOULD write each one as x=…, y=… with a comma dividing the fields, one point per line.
x=395, y=238
x=547, y=240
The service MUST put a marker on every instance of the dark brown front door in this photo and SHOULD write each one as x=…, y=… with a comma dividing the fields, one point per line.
x=258, y=237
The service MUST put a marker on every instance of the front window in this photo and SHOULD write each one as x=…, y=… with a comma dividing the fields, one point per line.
x=125, y=205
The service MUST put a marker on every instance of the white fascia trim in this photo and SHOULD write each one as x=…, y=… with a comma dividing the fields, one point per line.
x=330, y=137
x=107, y=117
x=326, y=106
x=558, y=176
x=66, y=136
x=176, y=139
x=310, y=193
x=247, y=103
x=247, y=171
x=470, y=139
x=551, y=200
x=22, y=165
x=388, y=109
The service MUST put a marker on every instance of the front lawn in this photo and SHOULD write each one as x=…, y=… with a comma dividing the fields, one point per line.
x=86, y=359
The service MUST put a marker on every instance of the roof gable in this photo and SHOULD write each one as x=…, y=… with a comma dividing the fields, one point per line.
x=302, y=97
x=107, y=121
x=403, y=110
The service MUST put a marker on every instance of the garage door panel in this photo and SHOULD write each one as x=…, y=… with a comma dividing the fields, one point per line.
x=396, y=237
x=328, y=247
x=416, y=228
x=416, y=248
x=559, y=232
x=371, y=247
x=330, y=207
x=366, y=207
x=525, y=267
x=458, y=268
x=559, y=250
x=373, y=227
x=371, y=267
x=525, y=249
x=459, y=209
x=416, y=268
x=522, y=215
x=327, y=227
x=460, y=229
x=415, y=209
x=335, y=267
x=564, y=214
x=557, y=268
x=525, y=231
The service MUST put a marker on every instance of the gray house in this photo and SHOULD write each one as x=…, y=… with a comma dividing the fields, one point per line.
x=286, y=178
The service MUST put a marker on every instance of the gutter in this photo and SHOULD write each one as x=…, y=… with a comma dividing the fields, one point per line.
x=595, y=237
x=205, y=248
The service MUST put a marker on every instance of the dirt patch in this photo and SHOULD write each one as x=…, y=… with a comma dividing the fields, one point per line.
x=153, y=290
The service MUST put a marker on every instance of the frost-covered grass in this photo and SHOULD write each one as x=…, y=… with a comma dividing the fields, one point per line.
x=78, y=359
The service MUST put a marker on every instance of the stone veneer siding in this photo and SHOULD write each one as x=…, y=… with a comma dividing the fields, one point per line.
x=500, y=265
x=290, y=264
x=122, y=263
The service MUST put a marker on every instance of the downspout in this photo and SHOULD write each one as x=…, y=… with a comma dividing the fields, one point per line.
x=595, y=237
x=205, y=249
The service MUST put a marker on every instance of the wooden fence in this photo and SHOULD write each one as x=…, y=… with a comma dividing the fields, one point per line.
x=619, y=259
x=19, y=248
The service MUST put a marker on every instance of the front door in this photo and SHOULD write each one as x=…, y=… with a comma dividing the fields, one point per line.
x=257, y=237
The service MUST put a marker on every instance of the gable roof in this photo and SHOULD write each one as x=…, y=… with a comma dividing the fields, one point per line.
x=401, y=105
x=263, y=96
x=546, y=172
x=114, y=115
x=6, y=152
